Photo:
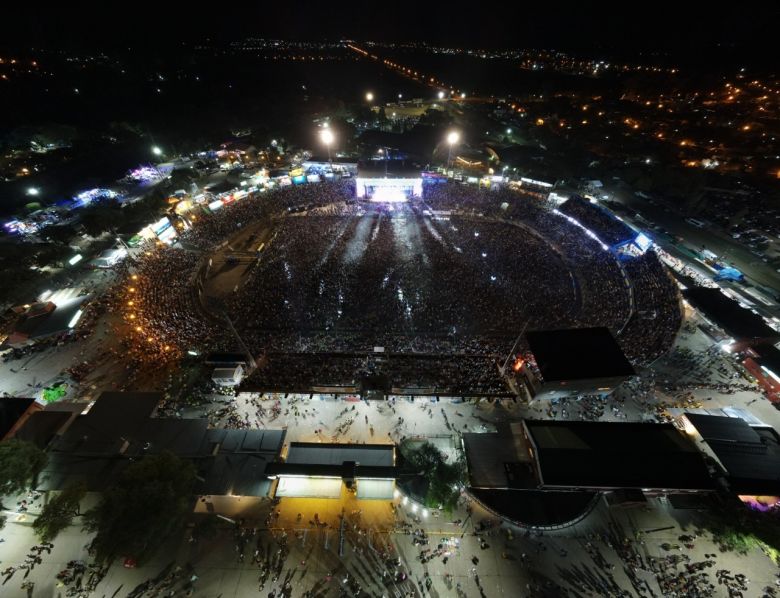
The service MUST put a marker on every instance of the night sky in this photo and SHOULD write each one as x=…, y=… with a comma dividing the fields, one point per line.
x=678, y=27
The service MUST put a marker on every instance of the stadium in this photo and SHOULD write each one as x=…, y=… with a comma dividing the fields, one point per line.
x=405, y=288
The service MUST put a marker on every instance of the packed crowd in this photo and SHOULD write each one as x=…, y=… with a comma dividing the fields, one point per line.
x=160, y=307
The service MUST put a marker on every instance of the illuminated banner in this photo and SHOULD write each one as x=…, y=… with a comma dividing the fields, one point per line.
x=161, y=226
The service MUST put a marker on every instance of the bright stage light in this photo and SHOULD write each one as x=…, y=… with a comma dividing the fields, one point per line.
x=388, y=195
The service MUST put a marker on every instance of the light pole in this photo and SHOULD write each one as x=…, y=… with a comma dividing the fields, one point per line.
x=326, y=135
x=452, y=138
x=386, y=152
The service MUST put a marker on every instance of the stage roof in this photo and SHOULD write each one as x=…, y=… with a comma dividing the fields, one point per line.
x=396, y=169
x=573, y=454
x=578, y=354
x=738, y=322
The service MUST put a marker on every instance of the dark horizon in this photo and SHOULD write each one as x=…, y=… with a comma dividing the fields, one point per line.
x=681, y=30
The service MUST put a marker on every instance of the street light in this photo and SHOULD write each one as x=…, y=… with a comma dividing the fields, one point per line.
x=33, y=191
x=441, y=95
x=369, y=97
x=157, y=151
x=452, y=138
x=326, y=135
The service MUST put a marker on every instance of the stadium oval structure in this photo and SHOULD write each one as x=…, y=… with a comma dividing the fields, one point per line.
x=329, y=287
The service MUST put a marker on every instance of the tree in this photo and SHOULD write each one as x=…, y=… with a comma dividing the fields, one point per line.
x=135, y=516
x=181, y=178
x=59, y=233
x=59, y=512
x=740, y=528
x=443, y=479
x=20, y=464
x=100, y=218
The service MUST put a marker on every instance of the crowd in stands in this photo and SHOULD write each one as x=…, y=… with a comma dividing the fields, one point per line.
x=452, y=278
x=608, y=228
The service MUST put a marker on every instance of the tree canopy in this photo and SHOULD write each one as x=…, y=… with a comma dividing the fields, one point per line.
x=149, y=501
x=739, y=528
x=59, y=512
x=20, y=463
x=443, y=479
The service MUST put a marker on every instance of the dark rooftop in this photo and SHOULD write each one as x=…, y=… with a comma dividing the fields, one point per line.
x=737, y=321
x=42, y=426
x=11, y=409
x=576, y=454
x=769, y=357
x=499, y=459
x=577, y=354
x=750, y=454
x=342, y=460
x=119, y=427
x=330, y=453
